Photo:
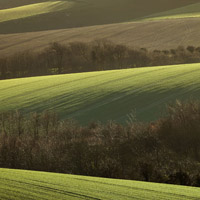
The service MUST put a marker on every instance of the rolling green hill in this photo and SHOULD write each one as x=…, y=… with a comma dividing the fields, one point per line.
x=105, y=95
x=5, y=4
x=33, y=10
x=19, y=184
x=80, y=13
x=189, y=11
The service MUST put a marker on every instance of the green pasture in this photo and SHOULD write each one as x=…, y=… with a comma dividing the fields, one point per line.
x=105, y=95
x=20, y=185
x=189, y=11
x=33, y=10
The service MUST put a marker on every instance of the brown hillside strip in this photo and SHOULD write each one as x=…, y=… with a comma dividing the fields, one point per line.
x=163, y=34
x=87, y=13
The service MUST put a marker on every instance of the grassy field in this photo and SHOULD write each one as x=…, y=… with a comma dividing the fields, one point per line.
x=189, y=11
x=19, y=184
x=5, y=4
x=103, y=95
x=81, y=13
x=33, y=10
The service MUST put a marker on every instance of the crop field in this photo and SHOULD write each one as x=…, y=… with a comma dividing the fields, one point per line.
x=189, y=11
x=36, y=23
x=171, y=34
x=105, y=95
x=20, y=184
x=41, y=15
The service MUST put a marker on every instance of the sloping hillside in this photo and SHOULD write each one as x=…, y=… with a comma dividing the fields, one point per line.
x=57, y=18
x=20, y=184
x=33, y=10
x=171, y=34
x=5, y=4
x=106, y=95
x=189, y=11
x=81, y=13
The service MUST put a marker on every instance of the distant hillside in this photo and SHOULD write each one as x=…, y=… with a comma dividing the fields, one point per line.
x=171, y=33
x=106, y=95
x=31, y=10
x=26, y=16
x=4, y=4
x=189, y=11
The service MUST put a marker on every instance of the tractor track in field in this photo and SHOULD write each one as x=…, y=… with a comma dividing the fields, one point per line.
x=65, y=192
x=16, y=194
x=158, y=194
x=140, y=189
x=98, y=191
x=33, y=185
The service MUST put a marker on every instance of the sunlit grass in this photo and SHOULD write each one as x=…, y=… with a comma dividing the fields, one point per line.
x=189, y=11
x=103, y=95
x=20, y=184
x=33, y=9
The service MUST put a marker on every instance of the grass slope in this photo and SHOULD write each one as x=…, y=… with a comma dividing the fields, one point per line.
x=32, y=10
x=5, y=4
x=171, y=34
x=189, y=11
x=20, y=184
x=85, y=13
x=103, y=95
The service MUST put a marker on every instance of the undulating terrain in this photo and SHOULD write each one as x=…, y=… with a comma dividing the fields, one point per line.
x=106, y=95
x=23, y=16
x=97, y=96
x=171, y=34
x=157, y=25
x=189, y=11
x=19, y=184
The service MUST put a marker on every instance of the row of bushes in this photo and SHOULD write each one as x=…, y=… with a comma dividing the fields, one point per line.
x=166, y=150
x=94, y=56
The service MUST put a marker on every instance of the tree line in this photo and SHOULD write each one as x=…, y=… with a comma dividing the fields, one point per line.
x=94, y=56
x=166, y=150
